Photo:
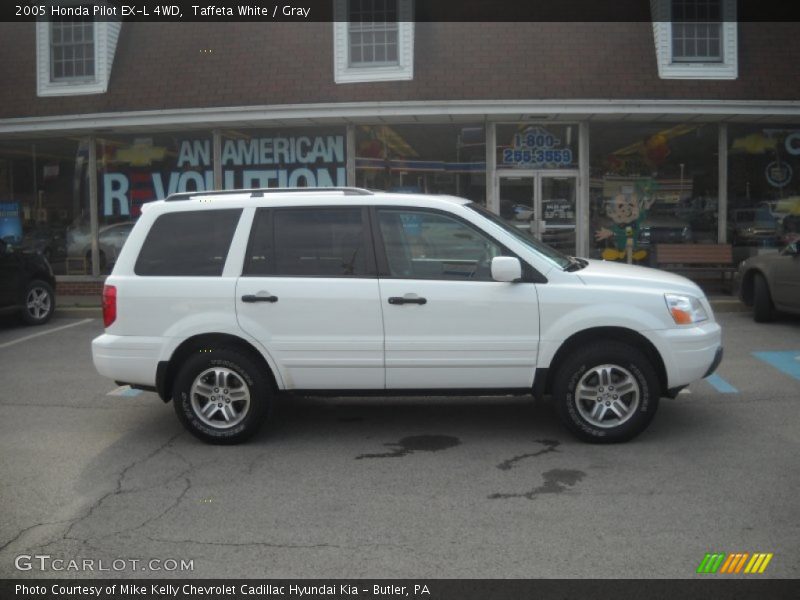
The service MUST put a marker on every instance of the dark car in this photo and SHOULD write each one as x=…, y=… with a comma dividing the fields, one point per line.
x=771, y=282
x=49, y=242
x=26, y=285
x=663, y=229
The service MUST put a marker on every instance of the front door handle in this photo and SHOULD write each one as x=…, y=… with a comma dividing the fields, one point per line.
x=407, y=300
x=259, y=298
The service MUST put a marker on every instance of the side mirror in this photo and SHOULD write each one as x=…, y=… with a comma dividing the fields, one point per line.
x=506, y=269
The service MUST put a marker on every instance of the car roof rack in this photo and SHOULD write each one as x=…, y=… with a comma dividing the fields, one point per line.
x=260, y=192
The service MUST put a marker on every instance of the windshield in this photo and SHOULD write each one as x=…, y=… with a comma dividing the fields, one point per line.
x=562, y=260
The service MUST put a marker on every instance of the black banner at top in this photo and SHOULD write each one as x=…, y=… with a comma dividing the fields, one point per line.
x=267, y=11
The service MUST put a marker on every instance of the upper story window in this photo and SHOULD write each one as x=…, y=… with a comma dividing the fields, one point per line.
x=696, y=31
x=72, y=50
x=373, y=40
x=372, y=32
x=74, y=55
x=695, y=39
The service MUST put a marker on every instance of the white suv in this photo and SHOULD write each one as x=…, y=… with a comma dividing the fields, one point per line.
x=221, y=300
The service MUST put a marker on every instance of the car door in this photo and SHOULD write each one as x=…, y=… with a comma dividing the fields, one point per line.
x=447, y=323
x=785, y=276
x=309, y=294
x=11, y=275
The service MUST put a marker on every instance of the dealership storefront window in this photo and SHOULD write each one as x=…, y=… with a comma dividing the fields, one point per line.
x=650, y=184
x=645, y=182
x=429, y=159
x=136, y=169
x=537, y=180
x=288, y=157
x=763, y=187
x=43, y=195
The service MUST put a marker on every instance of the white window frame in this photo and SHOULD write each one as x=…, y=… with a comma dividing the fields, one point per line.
x=668, y=68
x=343, y=72
x=106, y=34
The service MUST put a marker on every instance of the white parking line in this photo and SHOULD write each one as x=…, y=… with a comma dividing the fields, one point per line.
x=35, y=335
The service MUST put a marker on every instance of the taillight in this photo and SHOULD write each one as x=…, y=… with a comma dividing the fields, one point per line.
x=109, y=304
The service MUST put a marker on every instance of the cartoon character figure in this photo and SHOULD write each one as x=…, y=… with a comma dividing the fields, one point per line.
x=628, y=212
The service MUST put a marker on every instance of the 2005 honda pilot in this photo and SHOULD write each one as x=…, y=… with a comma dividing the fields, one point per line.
x=221, y=300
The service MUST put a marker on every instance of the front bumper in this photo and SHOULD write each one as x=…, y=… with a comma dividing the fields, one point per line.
x=689, y=353
x=715, y=364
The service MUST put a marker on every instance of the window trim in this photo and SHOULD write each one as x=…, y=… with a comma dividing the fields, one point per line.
x=669, y=68
x=343, y=72
x=106, y=34
x=370, y=268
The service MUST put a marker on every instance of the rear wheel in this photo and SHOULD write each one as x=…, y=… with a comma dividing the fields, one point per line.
x=221, y=396
x=762, y=301
x=39, y=303
x=606, y=392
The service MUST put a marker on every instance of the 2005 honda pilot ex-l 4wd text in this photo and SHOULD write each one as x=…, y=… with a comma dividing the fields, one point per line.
x=221, y=300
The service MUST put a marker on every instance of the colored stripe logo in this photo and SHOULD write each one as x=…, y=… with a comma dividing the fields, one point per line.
x=735, y=563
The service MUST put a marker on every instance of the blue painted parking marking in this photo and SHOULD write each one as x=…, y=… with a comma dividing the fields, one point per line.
x=722, y=386
x=124, y=390
x=787, y=362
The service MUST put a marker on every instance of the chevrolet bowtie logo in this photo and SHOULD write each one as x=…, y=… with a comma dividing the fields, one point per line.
x=737, y=562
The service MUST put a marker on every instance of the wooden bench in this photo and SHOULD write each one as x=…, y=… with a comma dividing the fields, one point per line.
x=697, y=257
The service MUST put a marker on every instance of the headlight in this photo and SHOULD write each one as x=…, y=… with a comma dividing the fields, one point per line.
x=685, y=310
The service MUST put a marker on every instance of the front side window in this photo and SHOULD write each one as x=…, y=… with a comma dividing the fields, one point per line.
x=696, y=31
x=426, y=245
x=192, y=243
x=373, y=30
x=72, y=50
x=318, y=242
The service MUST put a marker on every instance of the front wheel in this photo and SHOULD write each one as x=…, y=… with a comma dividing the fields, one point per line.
x=39, y=303
x=606, y=392
x=221, y=396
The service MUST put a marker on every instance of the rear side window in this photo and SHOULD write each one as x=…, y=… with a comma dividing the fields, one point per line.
x=308, y=242
x=188, y=243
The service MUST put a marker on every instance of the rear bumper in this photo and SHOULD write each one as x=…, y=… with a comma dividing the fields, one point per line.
x=131, y=359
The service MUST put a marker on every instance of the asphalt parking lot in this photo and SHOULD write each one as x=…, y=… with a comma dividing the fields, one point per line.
x=460, y=487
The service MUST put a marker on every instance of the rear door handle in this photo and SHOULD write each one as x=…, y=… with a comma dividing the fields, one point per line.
x=259, y=298
x=407, y=300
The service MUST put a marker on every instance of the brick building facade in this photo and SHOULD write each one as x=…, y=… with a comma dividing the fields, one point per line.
x=557, y=126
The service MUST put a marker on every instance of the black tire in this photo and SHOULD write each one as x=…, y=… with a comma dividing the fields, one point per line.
x=763, y=310
x=628, y=363
x=38, y=303
x=247, y=374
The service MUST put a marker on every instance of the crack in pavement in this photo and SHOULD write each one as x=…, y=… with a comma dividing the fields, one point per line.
x=549, y=446
x=29, y=528
x=118, y=490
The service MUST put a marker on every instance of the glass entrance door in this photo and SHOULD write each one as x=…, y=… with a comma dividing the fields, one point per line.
x=544, y=204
